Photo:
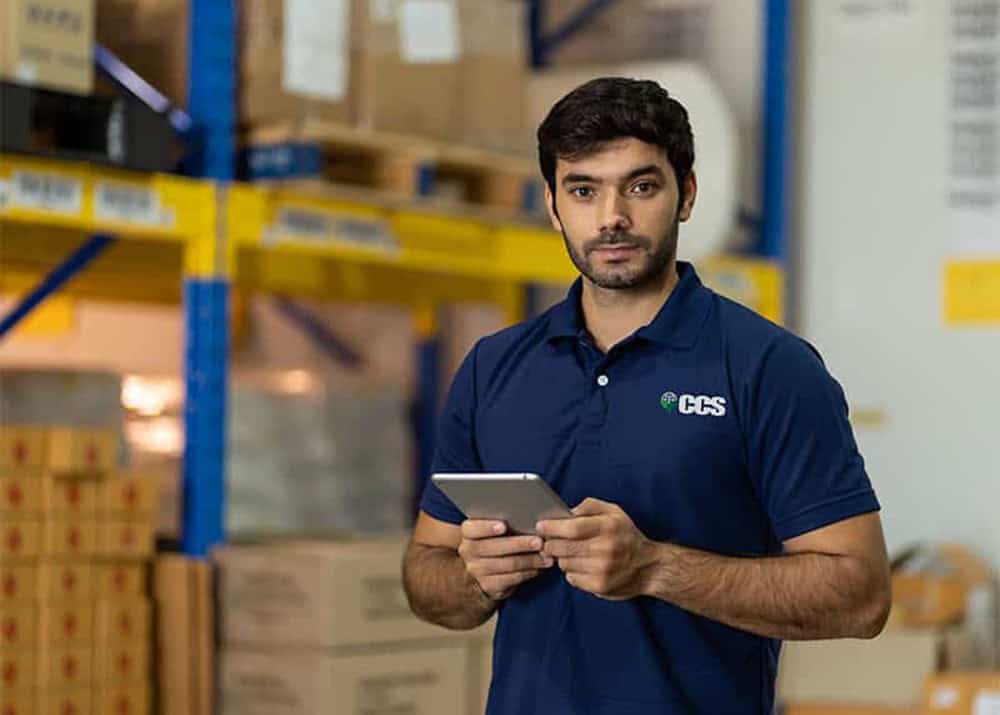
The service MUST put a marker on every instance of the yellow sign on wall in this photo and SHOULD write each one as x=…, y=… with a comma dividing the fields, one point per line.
x=971, y=293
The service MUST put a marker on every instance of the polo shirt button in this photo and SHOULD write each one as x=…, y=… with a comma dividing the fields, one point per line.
x=602, y=380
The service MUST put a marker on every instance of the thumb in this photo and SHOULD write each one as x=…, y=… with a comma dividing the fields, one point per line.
x=591, y=507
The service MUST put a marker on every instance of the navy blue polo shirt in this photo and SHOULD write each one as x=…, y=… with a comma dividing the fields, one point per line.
x=712, y=428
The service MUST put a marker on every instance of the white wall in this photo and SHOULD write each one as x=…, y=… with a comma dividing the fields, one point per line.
x=873, y=232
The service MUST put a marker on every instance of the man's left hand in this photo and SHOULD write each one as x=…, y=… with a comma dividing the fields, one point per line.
x=600, y=550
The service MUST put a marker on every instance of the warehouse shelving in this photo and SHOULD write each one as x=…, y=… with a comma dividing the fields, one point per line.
x=191, y=241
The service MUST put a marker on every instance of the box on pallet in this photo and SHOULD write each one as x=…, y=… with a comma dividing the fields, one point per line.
x=121, y=621
x=18, y=582
x=324, y=594
x=84, y=451
x=66, y=626
x=65, y=668
x=70, y=702
x=20, y=539
x=48, y=43
x=18, y=670
x=121, y=663
x=115, y=580
x=71, y=537
x=119, y=699
x=59, y=581
x=22, y=447
x=420, y=680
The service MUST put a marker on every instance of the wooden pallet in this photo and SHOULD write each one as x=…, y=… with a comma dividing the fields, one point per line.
x=400, y=165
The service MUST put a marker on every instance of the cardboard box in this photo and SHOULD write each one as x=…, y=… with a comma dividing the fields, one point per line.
x=484, y=678
x=20, y=540
x=121, y=664
x=65, y=668
x=796, y=709
x=310, y=79
x=48, y=43
x=887, y=671
x=409, y=68
x=123, y=621
x=125, y=539
x=18, y=582
x=70, y=702
x=494, y=72
x=66, y=626
x=117, y=580
x=963, y=694
x=422, y=681
x=70, y=497
x=70, y=537
x=22, y=447
x=82, y=451
x=19, y=627
x=151, y=36
x=21, y=497
x=17, y=703
x=122, y=700
x=927, y=601
x=18, y=671
x=323, y=594
x=128, y=497
x=60, y=581
x=185, y=634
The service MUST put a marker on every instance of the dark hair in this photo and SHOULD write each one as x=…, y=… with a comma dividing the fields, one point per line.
x=610, y=108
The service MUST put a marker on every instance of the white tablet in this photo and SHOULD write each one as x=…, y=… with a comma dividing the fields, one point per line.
x=521, y=500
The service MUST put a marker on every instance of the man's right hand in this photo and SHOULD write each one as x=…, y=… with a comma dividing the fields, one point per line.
x=499, y=563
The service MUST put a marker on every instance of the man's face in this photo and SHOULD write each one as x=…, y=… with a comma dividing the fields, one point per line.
x=619, y=214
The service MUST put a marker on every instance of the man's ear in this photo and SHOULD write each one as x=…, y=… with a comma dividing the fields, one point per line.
x=550, y=205
x=690, y=194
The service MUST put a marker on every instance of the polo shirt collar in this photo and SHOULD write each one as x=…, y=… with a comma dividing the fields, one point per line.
x=677, y=324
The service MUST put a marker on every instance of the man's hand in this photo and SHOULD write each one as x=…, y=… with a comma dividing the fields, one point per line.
x=498, y=563
x=600, y=550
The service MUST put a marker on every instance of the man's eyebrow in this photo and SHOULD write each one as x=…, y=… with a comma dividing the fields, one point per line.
x=588, y=179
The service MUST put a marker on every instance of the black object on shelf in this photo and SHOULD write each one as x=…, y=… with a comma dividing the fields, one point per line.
x=117, y=131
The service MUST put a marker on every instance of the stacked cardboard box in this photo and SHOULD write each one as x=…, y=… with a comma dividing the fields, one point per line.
x=452, y=70
x=325, y=626
x=941, y=624
x=48, y=44
x=74, y=615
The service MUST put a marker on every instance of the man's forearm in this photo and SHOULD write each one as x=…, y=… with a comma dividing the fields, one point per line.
x=795, y=597
x=440, y=589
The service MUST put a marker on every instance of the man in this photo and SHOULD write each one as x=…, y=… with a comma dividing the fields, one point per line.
x=721, y=502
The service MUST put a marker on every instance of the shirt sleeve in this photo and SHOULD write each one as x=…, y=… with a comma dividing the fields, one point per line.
x=455, y=450
x=802, y=451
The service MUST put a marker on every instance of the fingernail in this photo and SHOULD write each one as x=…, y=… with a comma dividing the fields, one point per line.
x=536, y=543
x=547, y=560
x=498, y=528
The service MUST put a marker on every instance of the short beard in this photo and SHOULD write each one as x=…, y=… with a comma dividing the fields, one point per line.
x=659, y=255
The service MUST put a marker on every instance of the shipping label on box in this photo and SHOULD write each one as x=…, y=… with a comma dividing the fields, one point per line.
x=121, y=663
x=70, y=537
x=125, y=539
x=324, y=594
x=82, y=451
x=68, y=625
x=121, y=700
x=65, y=668
x=70, y=702
x=71, y=497
x=118, y=580
x=20, y=540
x=421, y=681
x=973, y=693
x=22, y=447
x=18, y=582
x=129, y=497
x=65, y=581
x=19, y=627
x=21, y=497
x=18, y=670
x=123, y=621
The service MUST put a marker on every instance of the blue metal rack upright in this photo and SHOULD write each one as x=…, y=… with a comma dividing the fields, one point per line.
x=212, y=106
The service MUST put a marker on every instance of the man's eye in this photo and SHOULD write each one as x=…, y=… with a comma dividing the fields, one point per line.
x=582, y=192
x=644, y=187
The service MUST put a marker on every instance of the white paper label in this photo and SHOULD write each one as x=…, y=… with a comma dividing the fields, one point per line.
x=316, y=61
x=987, y=703
x=48, y=192
x=884, y=20
x=306, y=225
x=944, y=697
x=428, y=31
x=128, y=203
x=26, y=72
